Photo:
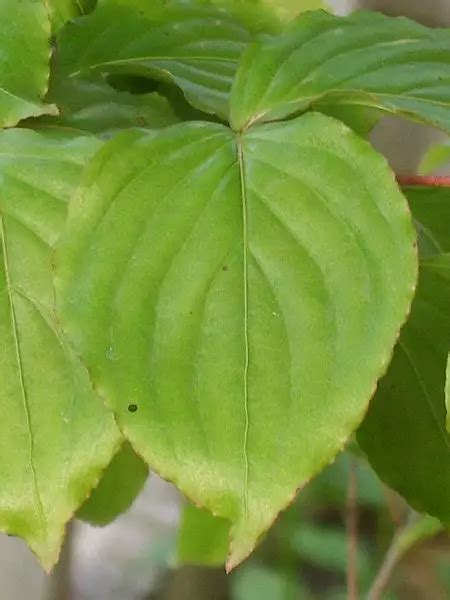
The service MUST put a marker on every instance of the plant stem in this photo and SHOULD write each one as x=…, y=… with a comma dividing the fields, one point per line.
x=422, y=180
x=394, y=554
x=352, y=531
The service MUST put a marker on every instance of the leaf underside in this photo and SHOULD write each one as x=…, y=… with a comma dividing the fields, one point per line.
x=246, y=307
x=55, y=435
x=364, y=60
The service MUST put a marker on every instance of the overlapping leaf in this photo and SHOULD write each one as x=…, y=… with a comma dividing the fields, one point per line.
x=404, y=433
x=55, y=435
x=430, y=207
x=90, y=104
x=367, y=59
x=234, y=305
x=196, y=48
x=202, y=538
x=24, y=60
x=436, y=157
x=120, y=484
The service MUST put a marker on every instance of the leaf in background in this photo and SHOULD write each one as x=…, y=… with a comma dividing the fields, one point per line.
x=24, y=60
x=436, y=157
x=288, y=9
x=421, y=528
x=404, y=433
x=259, y=16
x=247, y=306
x=326, y=547
x=62, y=11
x=202, y=538
x=55, y=435
x=430, y=207
x=90, y=104
x=122, y=481
x=195, y=48
x=367, y=59
x=257, y=582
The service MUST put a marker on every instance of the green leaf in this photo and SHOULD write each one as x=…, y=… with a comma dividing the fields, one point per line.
x=55, y=435
x=257, y=582
x=421, y=528
x=62, y=11
x=24, y=60
x=326, y=548
x=436, y=157
x=90, y=104
x=288, y=9
x=367, y=59
x=252, y=295
x=202, y=538
x=196, y=48
x=259, y=15
x=404, y=433
x=120, y=484
x=430, y=207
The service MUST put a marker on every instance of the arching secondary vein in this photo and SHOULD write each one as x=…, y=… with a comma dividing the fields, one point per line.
x=240, y=159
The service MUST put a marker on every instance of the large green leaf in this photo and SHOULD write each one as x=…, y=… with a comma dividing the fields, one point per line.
x=120, y=484
x=197, y=48
x=55, y=435
x=430, y=207
x=24, y=60
x=367, y=59
x=404, y=433
x=251, y=296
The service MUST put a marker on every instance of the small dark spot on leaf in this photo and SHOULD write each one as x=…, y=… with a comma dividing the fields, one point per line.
x=225, y=268
x=132, y=408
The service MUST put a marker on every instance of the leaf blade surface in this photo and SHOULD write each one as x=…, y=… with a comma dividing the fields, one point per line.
x=55, y=434
x=225, y=345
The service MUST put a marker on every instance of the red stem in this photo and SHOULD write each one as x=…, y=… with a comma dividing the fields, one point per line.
x=427, y=181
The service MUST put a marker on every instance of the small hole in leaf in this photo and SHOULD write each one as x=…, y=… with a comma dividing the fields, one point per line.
x=132, y=408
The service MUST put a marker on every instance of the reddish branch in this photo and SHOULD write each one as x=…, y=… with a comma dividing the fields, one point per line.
x=426, y=181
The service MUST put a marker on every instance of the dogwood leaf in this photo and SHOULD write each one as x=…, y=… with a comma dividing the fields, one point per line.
x=55, y=436
x=366, y=59
x=236, y=298
x=197, y=48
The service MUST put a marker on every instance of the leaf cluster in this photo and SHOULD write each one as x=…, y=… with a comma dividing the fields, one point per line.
x=206, y=270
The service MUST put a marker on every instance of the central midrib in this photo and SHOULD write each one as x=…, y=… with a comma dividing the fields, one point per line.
x=240, y=159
